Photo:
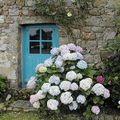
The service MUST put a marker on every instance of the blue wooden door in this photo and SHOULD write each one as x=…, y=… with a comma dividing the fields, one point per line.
x=36, y=45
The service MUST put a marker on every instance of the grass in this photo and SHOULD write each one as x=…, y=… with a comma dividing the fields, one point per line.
x=19, y=116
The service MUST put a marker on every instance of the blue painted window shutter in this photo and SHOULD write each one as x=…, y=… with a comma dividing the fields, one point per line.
x=37, y=42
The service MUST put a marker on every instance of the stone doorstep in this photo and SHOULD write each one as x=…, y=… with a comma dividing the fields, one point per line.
x=21, y=105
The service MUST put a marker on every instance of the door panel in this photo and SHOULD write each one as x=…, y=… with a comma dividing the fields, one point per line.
x=36, y=45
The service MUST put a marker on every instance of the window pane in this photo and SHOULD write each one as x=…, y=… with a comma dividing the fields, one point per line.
x=46, y=34
x=46, y=47
x=35, y=34
x=34, y=47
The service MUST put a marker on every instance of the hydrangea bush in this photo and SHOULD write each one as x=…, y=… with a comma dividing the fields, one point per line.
x=66, y=80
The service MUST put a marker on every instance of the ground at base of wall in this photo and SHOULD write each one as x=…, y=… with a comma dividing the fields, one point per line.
x=19, y=116
x=22, y=110
x=35, y=116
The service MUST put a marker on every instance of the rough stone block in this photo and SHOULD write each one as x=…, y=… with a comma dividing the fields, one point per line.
x=109, y=33
x=2, y=19
x=29, y=2
x=14, y=11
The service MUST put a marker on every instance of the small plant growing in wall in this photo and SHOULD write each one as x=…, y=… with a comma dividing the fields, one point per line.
x=68, y=13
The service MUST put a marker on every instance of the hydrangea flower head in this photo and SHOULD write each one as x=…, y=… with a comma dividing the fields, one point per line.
x=98, y=89
x=100, y=79
x=73, y=106
x=52, y=104
x=95, y=110
x=34, y=98
x=65, y=85
x=54, y=79
x=66, y=98
x=106, y=93
x=38, y=66
x=40, y=94
x=45, y=87
x=71, y=75
x=85, y=84
x=48, y=62
x=74, y=86
x=81, y=99
x=31, y=83
x=54, y=51
x=72, y=46
x=36, y=104
x=42, y=69
x=54, y=91
x=82, y=64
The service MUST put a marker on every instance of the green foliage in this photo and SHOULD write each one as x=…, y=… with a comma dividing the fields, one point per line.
x=3, y=86
x=64, y=12
x=112, y=68
x=22, y=94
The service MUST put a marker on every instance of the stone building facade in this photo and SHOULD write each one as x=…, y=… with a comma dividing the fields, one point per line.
x=99, y=29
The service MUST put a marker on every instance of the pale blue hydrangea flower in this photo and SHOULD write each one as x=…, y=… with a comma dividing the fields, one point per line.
x=48, y=62
x=54, y=79
x=82, y=64
x=54, y=51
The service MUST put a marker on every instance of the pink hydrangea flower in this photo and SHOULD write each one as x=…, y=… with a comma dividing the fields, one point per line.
x=100, y=79
x=95, y=110
x=33, y=98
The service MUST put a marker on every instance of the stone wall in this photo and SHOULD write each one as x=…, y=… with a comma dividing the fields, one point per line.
x=99, y=29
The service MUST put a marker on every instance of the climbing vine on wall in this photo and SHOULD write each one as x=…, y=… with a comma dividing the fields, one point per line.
x=68, y=13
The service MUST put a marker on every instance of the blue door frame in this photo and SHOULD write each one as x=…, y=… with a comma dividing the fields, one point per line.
x=34, y=51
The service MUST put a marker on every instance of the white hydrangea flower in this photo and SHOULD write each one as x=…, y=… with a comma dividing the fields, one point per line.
x=106, y=93
x=98, y=89
x=52, y=104
x=79, y=56
x=59, y=63
x=54, y=51
x=54, y=91
x=40, y=94
x=36, y=104
x=119, y=102
x=85, y=84
x=38, y=66
x=70, y=56
x=79, y=76
x=66, y=98
x=54, y=79
x=65, y=85
x=82, y=64
x=32, y=83
x=64, y=49
x=74, y=86
x=81, y=99
x=71, y=46
x=73, y=106
x=45, y=87
x=71, y=75
x=48, y=62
